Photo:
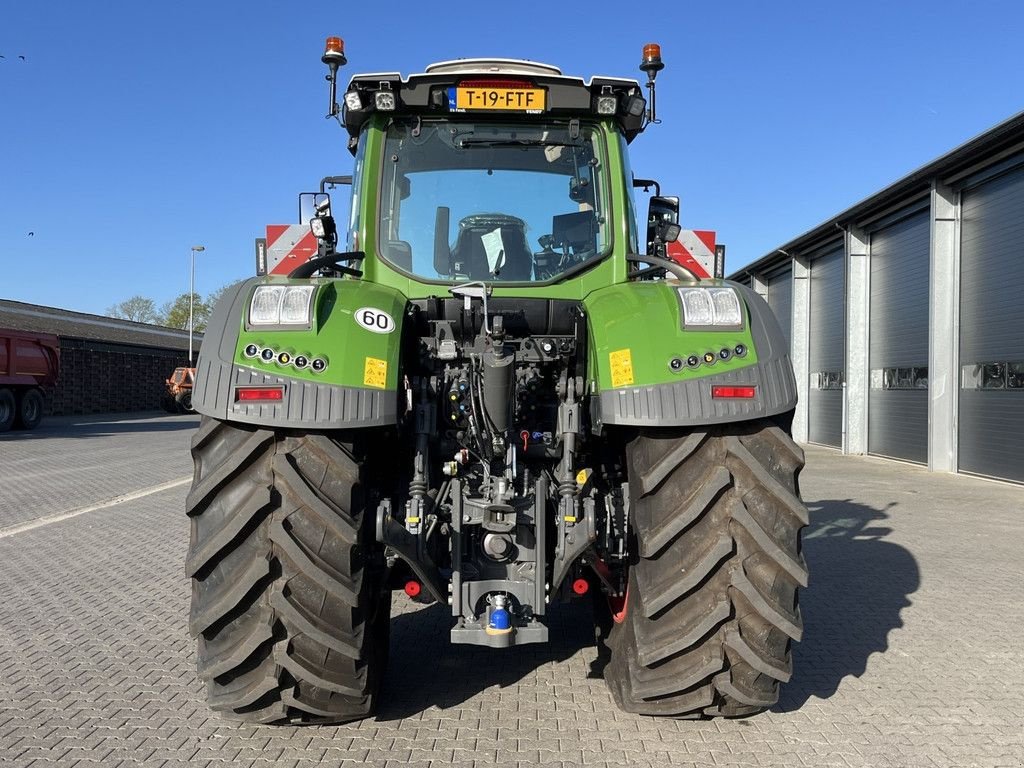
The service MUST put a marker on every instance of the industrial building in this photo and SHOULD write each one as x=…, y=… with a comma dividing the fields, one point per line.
x=905, y=314
x=107, y=365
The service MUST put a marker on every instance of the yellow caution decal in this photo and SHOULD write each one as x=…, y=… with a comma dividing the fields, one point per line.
x=375, y=373
x=622, y=367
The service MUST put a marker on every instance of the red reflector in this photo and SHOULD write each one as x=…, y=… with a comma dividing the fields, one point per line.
x=495, y=84
x=580, y=586
x=413, y=588
x=250, y=394
x=741, y=393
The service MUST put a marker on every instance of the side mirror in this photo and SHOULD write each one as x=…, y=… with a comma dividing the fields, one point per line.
x=668, y=233
x=313, y=204
x=662, y=223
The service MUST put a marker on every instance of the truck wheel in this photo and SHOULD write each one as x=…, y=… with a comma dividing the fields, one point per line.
x=711, y=607
x=184, y=401
x=8, y=409
x=30, y=410
x=288, y=599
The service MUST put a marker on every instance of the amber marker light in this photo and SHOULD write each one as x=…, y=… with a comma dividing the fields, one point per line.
x=652, y=63
x=334, y=53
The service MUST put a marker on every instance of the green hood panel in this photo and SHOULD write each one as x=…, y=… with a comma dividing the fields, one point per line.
x=344, y=310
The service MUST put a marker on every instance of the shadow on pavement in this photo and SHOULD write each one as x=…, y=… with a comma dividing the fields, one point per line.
x=425, y=670
x=859, y=584
x=107, y=424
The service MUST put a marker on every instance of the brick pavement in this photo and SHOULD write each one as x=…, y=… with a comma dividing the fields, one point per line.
x=911, y=654
x=71, y=461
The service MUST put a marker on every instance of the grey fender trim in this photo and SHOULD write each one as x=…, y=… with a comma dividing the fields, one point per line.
x=306, y=405
x=689, y=403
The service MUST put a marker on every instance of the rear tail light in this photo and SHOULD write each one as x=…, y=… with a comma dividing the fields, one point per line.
x=720, y=392
x=259, y=394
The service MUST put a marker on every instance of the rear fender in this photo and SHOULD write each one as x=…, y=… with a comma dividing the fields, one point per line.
x=355, y=332
x=641, y=370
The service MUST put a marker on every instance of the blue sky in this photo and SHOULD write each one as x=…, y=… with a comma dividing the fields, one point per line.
x=134, y=130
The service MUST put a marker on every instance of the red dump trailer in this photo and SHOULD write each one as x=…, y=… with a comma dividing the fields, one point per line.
x=29, y=366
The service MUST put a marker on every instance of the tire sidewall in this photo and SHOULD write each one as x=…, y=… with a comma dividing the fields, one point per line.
x=8, y=409
x=30, y=409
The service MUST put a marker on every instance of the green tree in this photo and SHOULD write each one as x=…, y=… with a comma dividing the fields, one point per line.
x=138, y=309
x=175, y=313
x=214, y=297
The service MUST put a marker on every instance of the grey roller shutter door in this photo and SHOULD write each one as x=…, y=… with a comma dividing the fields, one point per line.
x=780, y=299
x=992, y=328
x=827, y=353
x=898, y=354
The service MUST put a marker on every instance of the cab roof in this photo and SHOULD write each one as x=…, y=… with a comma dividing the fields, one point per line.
x=434, y=93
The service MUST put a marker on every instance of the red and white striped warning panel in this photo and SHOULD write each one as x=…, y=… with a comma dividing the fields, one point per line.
x=288, y=246
x=695, y=250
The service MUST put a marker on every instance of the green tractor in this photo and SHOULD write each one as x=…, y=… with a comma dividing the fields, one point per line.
x=487, y=391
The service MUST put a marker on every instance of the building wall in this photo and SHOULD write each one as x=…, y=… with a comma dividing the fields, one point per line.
x=991, y=411
x=99, y=377
x=931, y=279
x=827, y=353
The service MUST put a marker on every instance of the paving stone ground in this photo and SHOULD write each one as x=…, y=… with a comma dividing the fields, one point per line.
x=68, y=462
x=912, y=651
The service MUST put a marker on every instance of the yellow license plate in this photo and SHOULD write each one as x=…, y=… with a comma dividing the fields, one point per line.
x=509, y=99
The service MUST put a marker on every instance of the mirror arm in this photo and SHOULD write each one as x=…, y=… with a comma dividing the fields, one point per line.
x=646, y=184
x=334, y=180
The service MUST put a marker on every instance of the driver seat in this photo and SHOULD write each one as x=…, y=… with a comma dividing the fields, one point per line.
x=469, y=256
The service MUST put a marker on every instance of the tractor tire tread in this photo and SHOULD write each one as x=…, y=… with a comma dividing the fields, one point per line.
x=712, y=604
x=286, y=600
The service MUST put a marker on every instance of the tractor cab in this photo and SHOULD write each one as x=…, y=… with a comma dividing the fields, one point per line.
x=494, y=170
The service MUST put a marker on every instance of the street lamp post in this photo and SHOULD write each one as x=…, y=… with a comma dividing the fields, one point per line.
x=191, y=296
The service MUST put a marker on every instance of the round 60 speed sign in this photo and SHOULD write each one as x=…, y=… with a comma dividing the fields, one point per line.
x=375, y=320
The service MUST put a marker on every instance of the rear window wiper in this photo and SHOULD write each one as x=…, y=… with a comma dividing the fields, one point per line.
x=517, y=143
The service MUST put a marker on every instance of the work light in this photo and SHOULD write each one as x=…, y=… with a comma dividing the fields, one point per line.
x=282, y=305
x=703, y=307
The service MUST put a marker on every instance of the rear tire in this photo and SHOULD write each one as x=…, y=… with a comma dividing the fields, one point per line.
x=8, y=409
x=288, y=603
x=712, y=604
x=30, y=410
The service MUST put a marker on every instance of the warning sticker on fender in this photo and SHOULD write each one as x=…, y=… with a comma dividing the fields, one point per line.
x=622, y=367
x=375, y=373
